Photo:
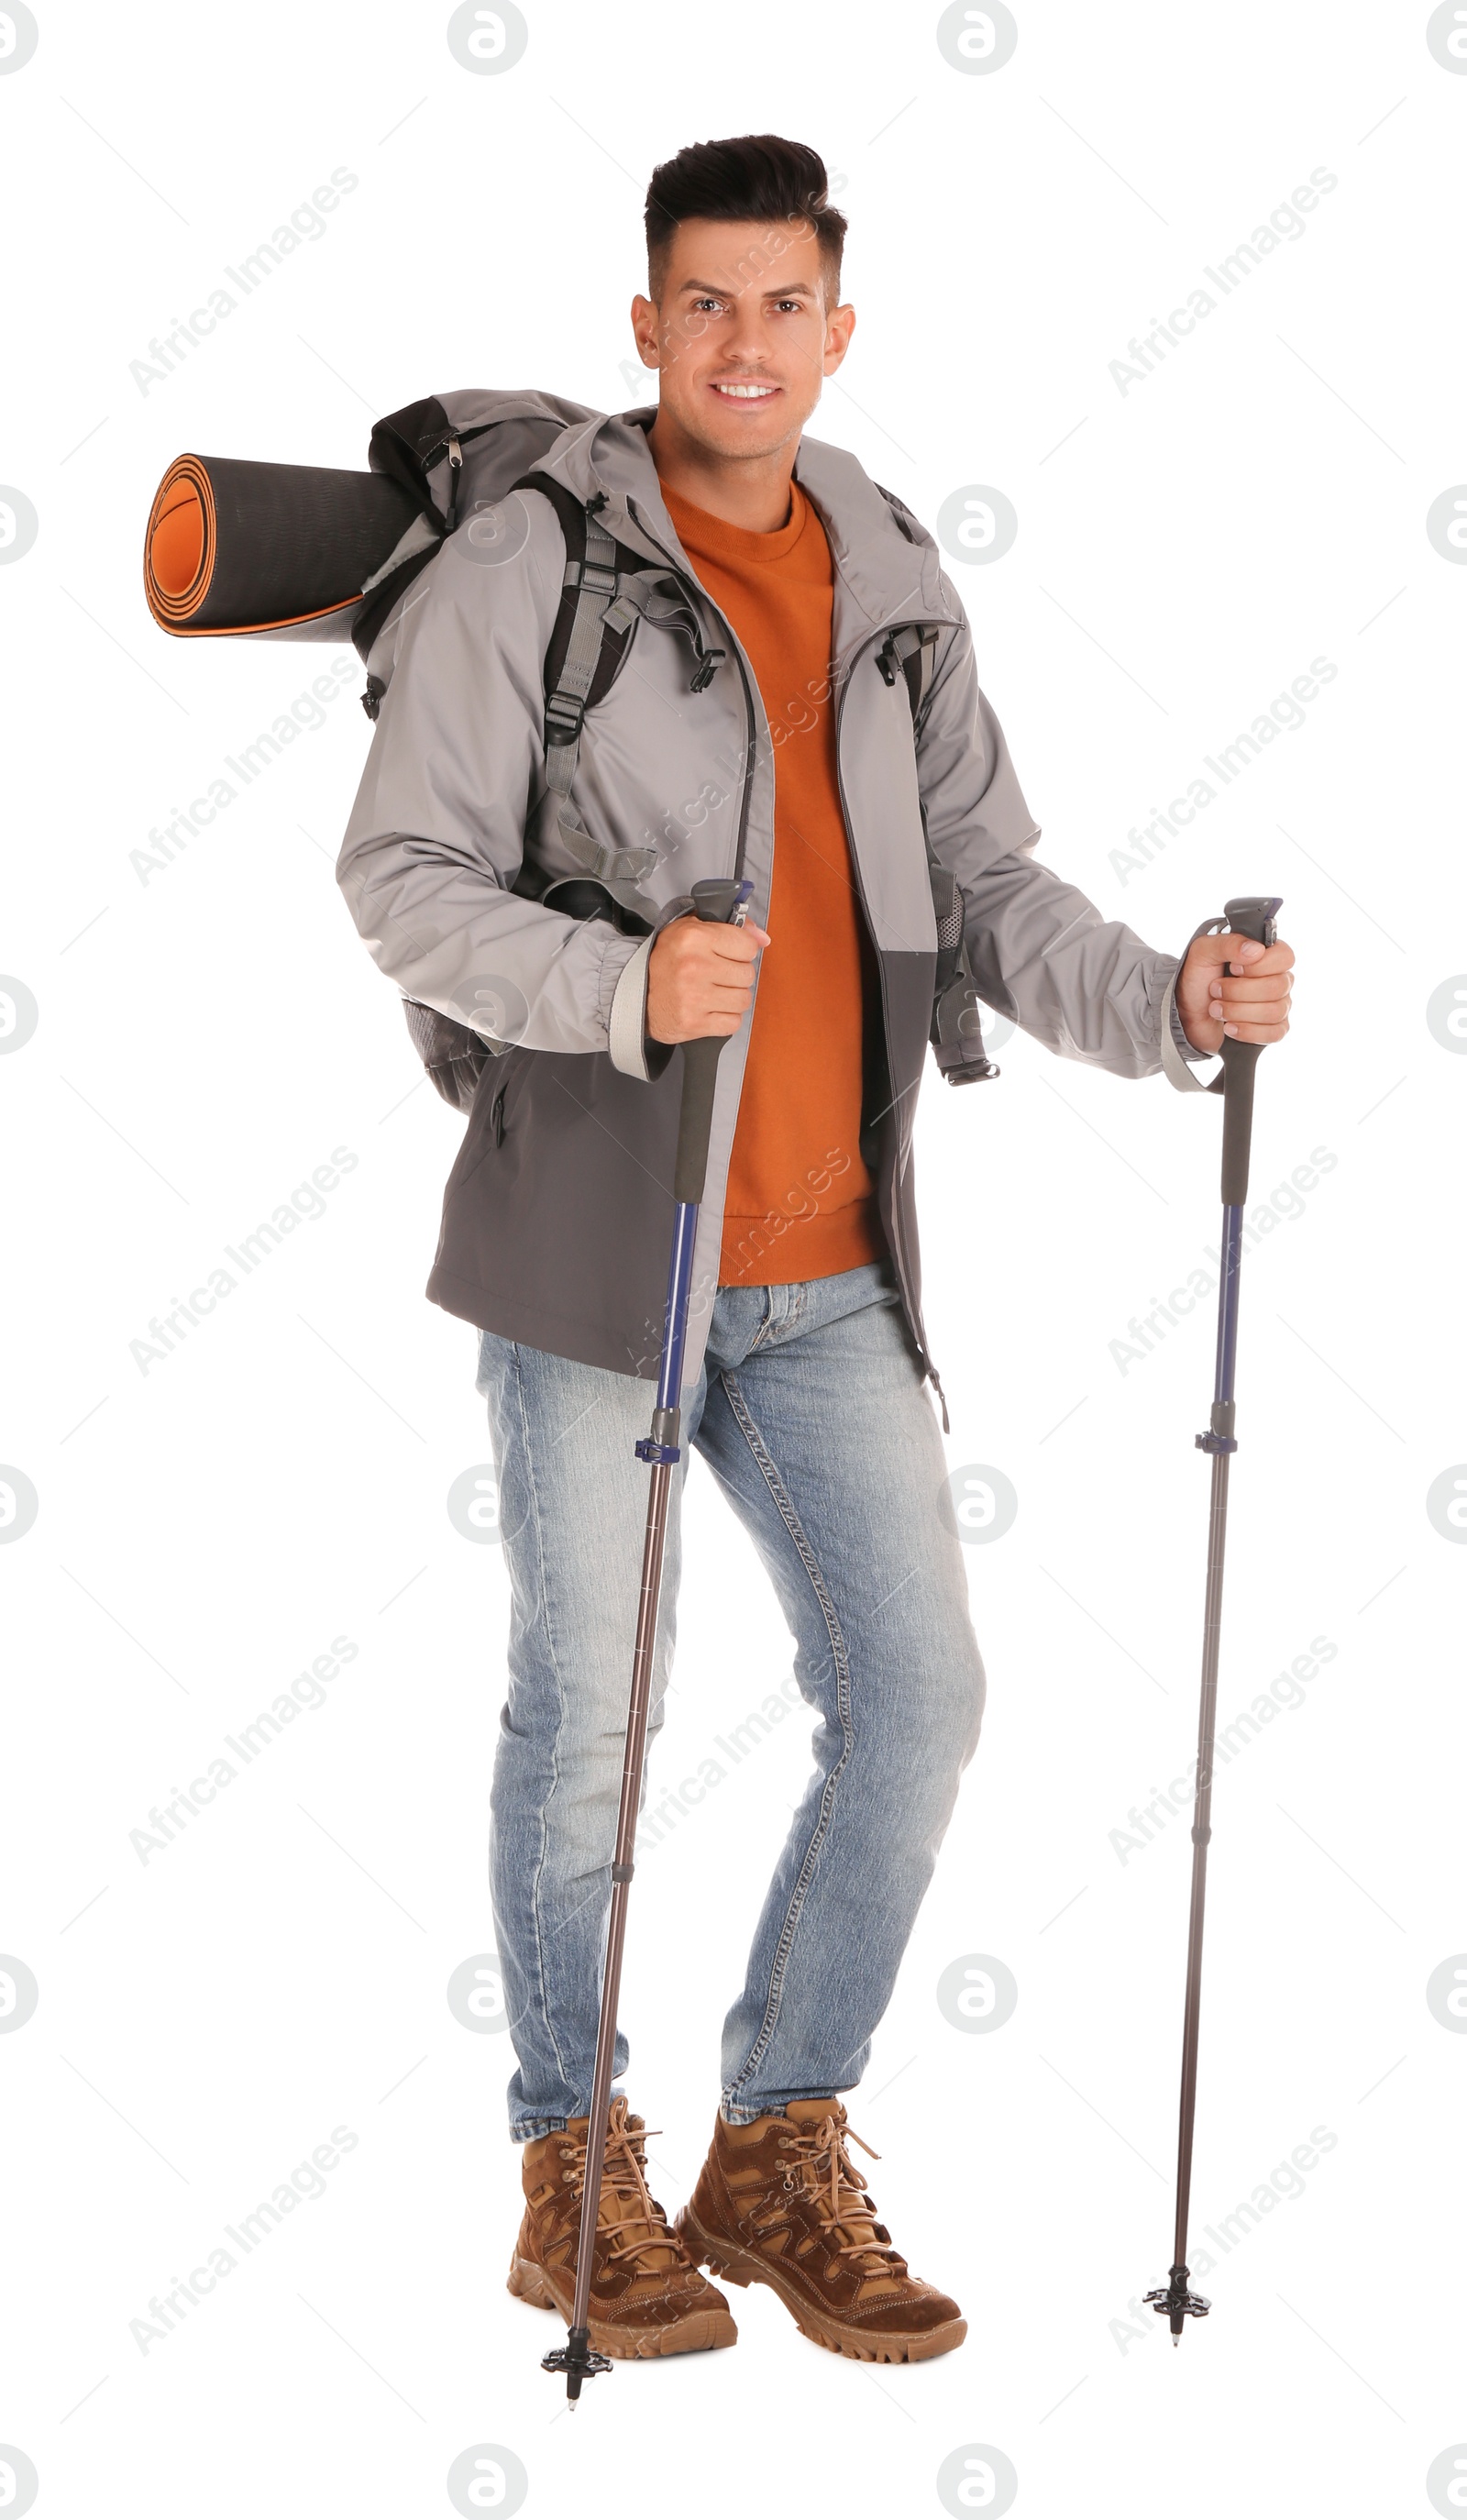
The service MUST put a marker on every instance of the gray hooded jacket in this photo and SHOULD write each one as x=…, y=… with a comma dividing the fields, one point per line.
x=557, y=1212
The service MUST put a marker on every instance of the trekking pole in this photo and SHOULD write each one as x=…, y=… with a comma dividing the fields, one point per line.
x=1249, y=918
x=723, y=899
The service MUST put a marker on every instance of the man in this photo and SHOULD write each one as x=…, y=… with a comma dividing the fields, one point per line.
x=761, y=720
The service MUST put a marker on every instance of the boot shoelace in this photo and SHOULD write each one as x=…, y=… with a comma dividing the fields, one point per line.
x=846, y=2205
x=646, y=2234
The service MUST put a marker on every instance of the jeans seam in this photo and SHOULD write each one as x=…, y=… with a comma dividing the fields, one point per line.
x=766, y=1329
x=537, y=1876
x=800, y=1891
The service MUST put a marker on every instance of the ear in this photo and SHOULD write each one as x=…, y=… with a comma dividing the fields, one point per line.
x=645, y=322
x=839, y=325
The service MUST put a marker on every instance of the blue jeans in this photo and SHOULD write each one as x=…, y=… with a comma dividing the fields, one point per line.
x=812, y=1417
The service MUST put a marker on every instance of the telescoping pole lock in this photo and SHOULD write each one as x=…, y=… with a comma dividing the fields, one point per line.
x=726, y=900
x=1251, y=917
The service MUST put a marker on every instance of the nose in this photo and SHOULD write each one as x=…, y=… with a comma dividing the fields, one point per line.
x=745, y=341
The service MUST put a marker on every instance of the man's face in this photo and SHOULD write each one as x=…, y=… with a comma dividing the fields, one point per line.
x=743, y=336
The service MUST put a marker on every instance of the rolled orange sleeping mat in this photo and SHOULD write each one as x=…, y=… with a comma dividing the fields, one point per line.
x=281, y=551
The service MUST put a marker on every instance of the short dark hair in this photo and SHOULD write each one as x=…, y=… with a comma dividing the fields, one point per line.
x=760, y=178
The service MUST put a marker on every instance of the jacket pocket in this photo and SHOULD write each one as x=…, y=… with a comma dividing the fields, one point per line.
x=513, y=1068
x=498, y=1090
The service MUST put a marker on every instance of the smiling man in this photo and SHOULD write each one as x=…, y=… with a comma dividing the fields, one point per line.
x=788, y=694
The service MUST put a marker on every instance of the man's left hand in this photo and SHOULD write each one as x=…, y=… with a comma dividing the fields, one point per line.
x=1211, y=1002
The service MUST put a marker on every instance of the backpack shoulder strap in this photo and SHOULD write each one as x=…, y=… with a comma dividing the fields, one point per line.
x=605, y=587
x=910, y=652
x=586, y=647
x=956, y=1032
x=589, y=589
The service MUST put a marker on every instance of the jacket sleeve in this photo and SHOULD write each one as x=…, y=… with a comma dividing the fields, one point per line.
x=436, y=835
x=1039, y=950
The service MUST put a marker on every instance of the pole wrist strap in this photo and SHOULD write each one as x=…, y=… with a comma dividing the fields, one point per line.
x=1175, y=1068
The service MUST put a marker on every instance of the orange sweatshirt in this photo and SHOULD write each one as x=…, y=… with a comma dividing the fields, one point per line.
x=801, y=1202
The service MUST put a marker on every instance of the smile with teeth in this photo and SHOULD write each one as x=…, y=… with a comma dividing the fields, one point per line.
x=745, y=393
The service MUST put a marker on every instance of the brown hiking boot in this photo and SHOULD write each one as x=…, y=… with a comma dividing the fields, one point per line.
x=780, y=2202
x=646, y=2296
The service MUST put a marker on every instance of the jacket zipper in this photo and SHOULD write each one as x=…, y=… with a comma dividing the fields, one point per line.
x=748, y=758
x=696, y=593
x=899, y=1251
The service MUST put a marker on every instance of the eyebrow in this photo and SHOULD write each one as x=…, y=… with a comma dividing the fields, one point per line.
x=719, y=289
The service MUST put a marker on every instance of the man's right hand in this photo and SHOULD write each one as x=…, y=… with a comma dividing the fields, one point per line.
x=700, y=978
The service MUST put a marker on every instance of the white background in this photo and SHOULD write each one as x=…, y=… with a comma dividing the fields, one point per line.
x=207, y=1037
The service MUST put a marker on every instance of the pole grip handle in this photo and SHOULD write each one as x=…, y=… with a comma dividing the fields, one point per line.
x=695, y=1119
x=1239, y=1066
x=719, y=898
x=1252, y=915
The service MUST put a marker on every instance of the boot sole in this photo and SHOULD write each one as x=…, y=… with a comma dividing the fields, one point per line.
x=701, y=2332
x=734, y=2264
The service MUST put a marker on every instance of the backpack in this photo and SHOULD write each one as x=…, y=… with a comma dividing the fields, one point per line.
x=606, y=585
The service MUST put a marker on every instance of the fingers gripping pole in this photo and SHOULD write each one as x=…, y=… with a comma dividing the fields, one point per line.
x=723, y=900
x=1176, y=2301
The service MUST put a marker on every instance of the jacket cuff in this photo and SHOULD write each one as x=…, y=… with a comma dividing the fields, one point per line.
x=631, y=1050
x=1178, y=1057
